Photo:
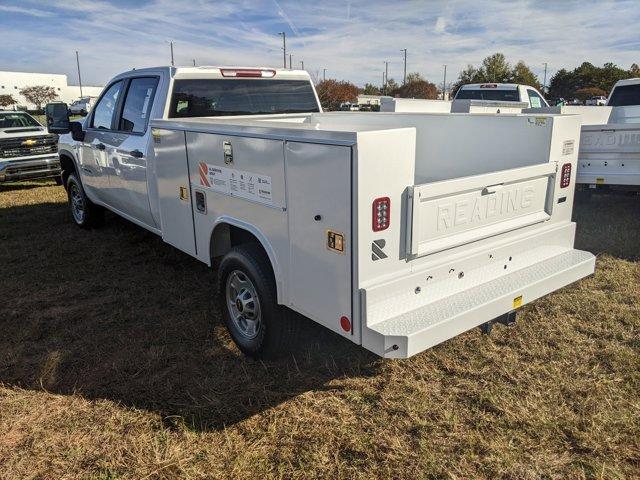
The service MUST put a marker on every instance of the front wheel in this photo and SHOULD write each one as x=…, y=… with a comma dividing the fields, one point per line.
x=246, y=285
x=85, y=213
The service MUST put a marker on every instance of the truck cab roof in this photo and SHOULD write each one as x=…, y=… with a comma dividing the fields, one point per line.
x=628, y=81
x=498, y=86
x=223, y=71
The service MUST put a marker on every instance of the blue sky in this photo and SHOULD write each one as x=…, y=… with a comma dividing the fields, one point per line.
x=351, y=39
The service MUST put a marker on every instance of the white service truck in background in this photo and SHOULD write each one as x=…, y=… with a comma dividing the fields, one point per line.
x=473, y=98
x=496, y=98
x=609, y=154
x=385, y=228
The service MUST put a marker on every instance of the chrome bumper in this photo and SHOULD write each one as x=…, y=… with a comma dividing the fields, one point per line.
x=13, y=169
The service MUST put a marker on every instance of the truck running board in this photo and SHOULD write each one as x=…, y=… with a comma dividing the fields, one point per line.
x=411, y=332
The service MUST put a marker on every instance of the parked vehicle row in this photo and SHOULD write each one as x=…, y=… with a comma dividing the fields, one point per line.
x=384, y=228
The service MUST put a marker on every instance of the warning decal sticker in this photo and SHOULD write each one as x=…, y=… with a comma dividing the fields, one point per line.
x=238, y=183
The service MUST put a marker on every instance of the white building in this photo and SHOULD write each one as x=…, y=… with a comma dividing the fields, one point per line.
x=12, y=82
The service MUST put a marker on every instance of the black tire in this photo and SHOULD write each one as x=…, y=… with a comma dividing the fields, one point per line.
x=277, y=329
x=91, y=215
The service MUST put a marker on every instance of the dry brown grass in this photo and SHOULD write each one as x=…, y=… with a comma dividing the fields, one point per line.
x=114, y=364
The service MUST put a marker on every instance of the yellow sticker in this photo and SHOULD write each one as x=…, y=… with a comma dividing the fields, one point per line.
x=517, y=302
x=599, y=181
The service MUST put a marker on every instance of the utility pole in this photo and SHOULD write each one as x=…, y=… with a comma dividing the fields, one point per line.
x=444, y=83
x=79, y=77
x=405, y=66
x=324, y=74
x=302, y=64
x=386, y=76
x=383, y=83
x=171, y=45
x=284, y=48
x=290, y=64
x=544, y=82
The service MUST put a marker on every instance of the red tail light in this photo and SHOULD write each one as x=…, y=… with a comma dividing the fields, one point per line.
x=565, y=176
x=247, y=72
x=381, y=214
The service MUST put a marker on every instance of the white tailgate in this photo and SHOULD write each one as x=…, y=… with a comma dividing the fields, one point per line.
x=454, y=212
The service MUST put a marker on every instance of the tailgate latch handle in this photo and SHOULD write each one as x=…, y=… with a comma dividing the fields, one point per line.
x=492, y=189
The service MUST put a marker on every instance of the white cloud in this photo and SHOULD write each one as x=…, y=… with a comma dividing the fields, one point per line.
x=350, y=39
x=24, y=11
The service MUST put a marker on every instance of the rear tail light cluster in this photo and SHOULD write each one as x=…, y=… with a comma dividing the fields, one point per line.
x=381, y=214
x=248, y=72
x=565, y=176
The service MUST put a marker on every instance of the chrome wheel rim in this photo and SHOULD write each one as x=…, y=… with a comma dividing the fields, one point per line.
x=77, y=203
x=243, y=304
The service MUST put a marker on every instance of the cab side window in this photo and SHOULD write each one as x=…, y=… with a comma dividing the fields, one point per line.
x=106, y=107
x=535, y=100
x=137, y=104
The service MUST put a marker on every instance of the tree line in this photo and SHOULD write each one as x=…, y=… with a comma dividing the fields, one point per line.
x=582, y=82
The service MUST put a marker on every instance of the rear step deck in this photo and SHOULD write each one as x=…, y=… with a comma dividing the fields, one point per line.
x=416, y=330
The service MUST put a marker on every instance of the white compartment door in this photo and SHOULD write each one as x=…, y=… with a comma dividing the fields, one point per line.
x=319, y=204
x=174, y=192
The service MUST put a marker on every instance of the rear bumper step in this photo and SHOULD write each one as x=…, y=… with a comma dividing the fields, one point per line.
x=411, y=332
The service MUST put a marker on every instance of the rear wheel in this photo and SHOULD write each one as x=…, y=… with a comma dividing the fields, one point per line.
x=246, y=285
x=85, y=213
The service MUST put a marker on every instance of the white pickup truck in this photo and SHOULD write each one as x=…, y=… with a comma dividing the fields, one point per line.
x=384, y=228
x=27, y=151
x=496, y=98
x=609, y=154
x=473, y=98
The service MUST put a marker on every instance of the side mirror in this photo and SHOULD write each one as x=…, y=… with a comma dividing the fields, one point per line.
x=77, y=133
x=57, y=118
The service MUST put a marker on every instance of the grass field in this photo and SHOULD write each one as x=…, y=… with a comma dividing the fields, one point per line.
x=114, y=364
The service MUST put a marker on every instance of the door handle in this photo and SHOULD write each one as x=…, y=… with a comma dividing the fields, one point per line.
x=100, y=146
x=492, y=189
x=136, y=153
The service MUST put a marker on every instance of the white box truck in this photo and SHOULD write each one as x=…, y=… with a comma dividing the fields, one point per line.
x=610, y=141
x=397, y=231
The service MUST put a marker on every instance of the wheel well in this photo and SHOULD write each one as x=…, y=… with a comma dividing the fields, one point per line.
x=226, y=236
x=67, y=166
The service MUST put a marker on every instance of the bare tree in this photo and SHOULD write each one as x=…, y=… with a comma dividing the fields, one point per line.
x=7, y=100
x=39, y=94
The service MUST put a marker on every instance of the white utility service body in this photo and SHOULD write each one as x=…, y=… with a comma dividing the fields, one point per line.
x=610, y=141
x=478, y=219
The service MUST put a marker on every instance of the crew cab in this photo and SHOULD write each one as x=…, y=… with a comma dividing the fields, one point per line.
x=609, y=155
x=27, y=151
x=382, y=227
